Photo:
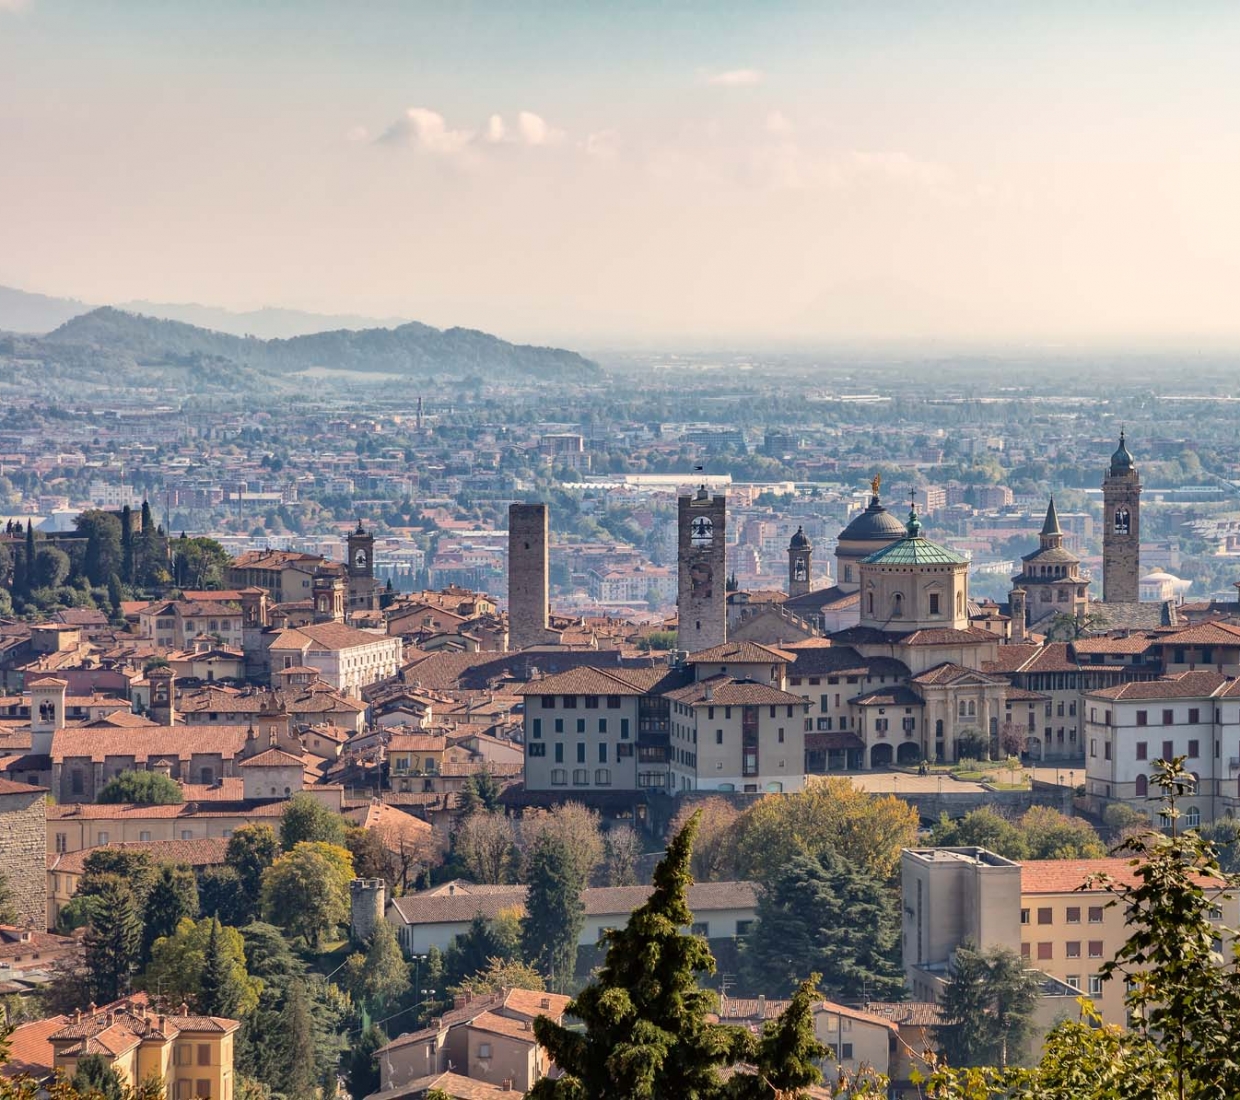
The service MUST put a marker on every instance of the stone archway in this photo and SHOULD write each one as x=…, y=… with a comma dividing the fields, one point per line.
x=881, y=756
x=1033, y=748
x=908, y=753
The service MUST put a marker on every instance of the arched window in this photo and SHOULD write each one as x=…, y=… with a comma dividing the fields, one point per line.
x=938, y=729
x=870, y=605
x=1143, y=786
x=964, y=711
x=972, y=709
x=897, y=606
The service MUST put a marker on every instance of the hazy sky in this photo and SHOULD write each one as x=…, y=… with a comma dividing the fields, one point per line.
x=628, y=173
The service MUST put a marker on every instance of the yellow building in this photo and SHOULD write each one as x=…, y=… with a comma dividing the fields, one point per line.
x=191, y=1056
x=414, y=754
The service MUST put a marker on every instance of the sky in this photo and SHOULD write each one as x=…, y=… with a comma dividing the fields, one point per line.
x=638, y=174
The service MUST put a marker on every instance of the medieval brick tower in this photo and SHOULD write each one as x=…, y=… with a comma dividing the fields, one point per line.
x=1121, y=529
x=800, y=563
x=363, y=591
x=528, y=576
x=701, y=601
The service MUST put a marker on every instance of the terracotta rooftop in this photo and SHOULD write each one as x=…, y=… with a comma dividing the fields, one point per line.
x=746, y=653
x=203, y=852
x=724, y=691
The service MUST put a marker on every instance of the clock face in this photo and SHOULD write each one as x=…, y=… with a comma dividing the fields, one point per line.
x=359, y=558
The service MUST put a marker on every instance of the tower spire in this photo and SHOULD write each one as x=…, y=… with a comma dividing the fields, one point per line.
x=1051, y=526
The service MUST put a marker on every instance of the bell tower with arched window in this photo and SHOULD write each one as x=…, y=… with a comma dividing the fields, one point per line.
x=1121, y=529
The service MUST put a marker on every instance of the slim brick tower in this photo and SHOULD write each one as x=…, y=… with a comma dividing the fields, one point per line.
x=528, y=581
x=800, y=563
x=1121, y=529
x=702, y=599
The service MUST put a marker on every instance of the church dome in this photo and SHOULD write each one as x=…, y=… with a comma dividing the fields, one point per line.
x=875, y=524
x=800, y=541
x=1121, y=460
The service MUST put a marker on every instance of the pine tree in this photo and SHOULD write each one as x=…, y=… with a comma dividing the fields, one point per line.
x=986, y=1007
x=127, y=547
x=173, y=896
x=646, y=1035
x=554, y=911
x=113, y=942
x=786, y=1056
x=297, y=1055
x=362, y=1070
x=95, y=1077
x=221, y=993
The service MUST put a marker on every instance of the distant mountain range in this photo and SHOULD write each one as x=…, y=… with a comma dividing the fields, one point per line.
x=109, y=347
x=22, y=311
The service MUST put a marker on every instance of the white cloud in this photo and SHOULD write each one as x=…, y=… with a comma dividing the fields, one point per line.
x=534, y=130
x=736, y=78
x=354, y=133
x=496, y=130
x=427, y=130
x=603, y=145
x=778, y=123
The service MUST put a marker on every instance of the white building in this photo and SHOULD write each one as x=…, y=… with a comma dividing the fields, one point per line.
x=347, y=658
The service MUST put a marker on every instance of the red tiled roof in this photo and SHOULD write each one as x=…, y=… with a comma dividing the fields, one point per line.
x=30, y=1048
x=746, y=653
x=202, y=852
x=271, y=758
x=726, y=692
x=1184, y=685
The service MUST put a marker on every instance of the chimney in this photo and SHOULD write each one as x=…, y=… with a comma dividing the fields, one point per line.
x=459, y=1001
x=762, y=1006
x=709, y=693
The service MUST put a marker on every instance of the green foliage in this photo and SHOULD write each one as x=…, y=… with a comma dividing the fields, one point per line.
x=198, y=563
x=95, y=1075
x=1224, y=836
x=306, y=819
x=361, y=1066
x=113, y=941
x=1039, y=833
x=986, y=1007
x=8, y=911
x=295, y=1044
x=251, y=850
x=474, y=949
x=103, y=555
x=220, y=892
x=830, y=916
x=830, y=817
x=135, y=868
x=499, y=974
x=381, y=976
x=142, y=788
x=481, y=792
x=369, y=856
x=554, y=911
x=172, y=898
x=787, y=1054
x=180, y=964
x=51, y=568
x=306, y=891
x=645, y=1033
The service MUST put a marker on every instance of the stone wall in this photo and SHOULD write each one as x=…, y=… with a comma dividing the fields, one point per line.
x=23, y=842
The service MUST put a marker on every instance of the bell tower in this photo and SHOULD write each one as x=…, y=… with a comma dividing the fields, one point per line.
x=800, y=561
x=702, y=599
x=1121, y=528
x=363, y=593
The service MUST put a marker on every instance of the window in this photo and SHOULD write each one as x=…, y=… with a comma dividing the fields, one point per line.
x=537, y=750
x=484, y=1050
x=581, y=725
x=1095, y=914
x=1073, y=949
x=559, y=752
x=204, y=1054
x=1093, y=747
x=1044, y=915
x=1045, y=951
x=718, y=737
x=581, y=752
x=1143, y=717
x=602, y=777
x=624, y=729
x=934, y=603
x=781, y=735
x=1194, y=716
x=103, y=838
x=1095, y=985
x=1168, y=717
x=701, y=928
x=1194, y=749
x=537, y=727
x=1024, y=916
x=613, y=702
x=1073, y=914
x=559, y=777
x=187, y=834
x=1074, y=980
x=602, y=752
x=1024, y=951
x=1095, y=949
x=570, y=702
x=1142, y=750
x=145, y=834
x=591, y=702
x=846, y=1051
x=559, y=725
x=62, y=842
x=1168, y=750
x=602, y=725
x=1106, y=747
x=581, y=777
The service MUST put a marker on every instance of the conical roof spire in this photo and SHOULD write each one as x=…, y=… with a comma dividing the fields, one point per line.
x=1051, y=526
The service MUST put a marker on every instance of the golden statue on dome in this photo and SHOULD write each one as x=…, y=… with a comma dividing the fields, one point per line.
x=878, y=480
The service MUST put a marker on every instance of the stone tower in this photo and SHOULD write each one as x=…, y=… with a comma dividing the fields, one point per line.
x=800, y=563
x=1051, y=577
x=329, y=596
x=47, y=712
x=163, y=696
x=702, y=598
x=368, y=903
x=363, y=592
x=528, y=578
x=1121, y=529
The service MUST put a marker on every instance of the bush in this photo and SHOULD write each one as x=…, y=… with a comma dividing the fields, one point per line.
x=143, y=789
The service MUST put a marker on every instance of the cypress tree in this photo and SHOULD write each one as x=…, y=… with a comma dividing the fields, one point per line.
x=554, y=911
x=646, y=1036
x=296, y=1046
x=173, y=897
x=113, y=941
x=127, y=553
x=786, y=1056
x=221, y=993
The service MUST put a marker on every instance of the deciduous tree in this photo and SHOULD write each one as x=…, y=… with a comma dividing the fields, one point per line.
x=714, y=852
x=141, y=788
x=305, y=818
x=306, y=891
x=484, y=843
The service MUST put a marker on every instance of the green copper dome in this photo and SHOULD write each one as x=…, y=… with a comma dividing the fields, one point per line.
x=914, y=549
x=1121, y=460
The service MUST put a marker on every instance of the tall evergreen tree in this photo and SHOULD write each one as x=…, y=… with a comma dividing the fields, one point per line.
x=173, y=897
x=95, y=1077
x=554, y=911
x=127, y=547
x=646, y=1034
x=786, y=1056
x=221, y=993
x=986, y=1007
x=828, y=915
x=113, y=942
x=361, y=1069
x=296, y=1049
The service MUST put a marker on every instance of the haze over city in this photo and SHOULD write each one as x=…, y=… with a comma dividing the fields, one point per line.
x=636, y=173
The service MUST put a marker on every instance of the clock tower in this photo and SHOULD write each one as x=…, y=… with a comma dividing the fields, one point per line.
x=360, y=565
x=702, y=599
